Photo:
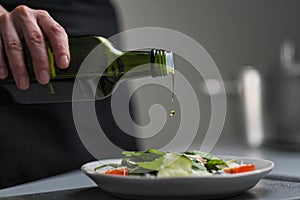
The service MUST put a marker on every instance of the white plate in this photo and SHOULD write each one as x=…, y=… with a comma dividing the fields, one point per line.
x=217, y=186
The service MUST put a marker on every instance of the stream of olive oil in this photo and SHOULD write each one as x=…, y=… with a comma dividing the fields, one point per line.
x=172, y=111
x=51, y=88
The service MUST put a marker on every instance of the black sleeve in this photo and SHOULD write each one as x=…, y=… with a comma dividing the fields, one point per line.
x=78, y=17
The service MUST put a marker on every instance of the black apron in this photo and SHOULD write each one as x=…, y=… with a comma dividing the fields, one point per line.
x=31, y=147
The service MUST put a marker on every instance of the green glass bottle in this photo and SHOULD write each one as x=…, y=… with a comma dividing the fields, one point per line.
x=96, y=65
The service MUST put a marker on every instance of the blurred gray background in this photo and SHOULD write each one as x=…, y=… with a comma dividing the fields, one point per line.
x=235, y=33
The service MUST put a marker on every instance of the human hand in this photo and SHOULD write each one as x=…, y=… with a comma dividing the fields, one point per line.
x=32, y=26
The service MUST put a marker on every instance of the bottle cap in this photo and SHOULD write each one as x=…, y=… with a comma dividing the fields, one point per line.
x=170, y=62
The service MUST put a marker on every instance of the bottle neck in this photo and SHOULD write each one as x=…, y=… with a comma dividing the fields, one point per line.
x=136, y=64
x=153, y=63
x=163, y=62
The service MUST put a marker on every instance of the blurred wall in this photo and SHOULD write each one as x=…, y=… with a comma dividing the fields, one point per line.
x=234, y=32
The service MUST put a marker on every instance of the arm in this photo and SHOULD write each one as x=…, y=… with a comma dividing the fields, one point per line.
x=32, y=26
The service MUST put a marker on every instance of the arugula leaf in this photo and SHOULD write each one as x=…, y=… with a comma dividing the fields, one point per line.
x=204, y=155
x=143, y=156
x=198, y=166
x=155, y=151
x=212, y=164
x=139, y=153
x=143, y=161
x=133, y=153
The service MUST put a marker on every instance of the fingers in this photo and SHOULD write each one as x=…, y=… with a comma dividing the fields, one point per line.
x=57, y=37
x=3, y=68
x=2, y=10
x=14, y=52
x=32, y=26
x=25, y=20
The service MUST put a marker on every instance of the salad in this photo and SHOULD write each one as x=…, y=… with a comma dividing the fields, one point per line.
x=155, y=163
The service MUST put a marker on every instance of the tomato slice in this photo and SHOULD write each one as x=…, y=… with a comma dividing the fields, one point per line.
x=240, y=169
x=121, y=171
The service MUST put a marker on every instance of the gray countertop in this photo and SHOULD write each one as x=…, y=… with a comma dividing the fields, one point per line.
x=282, y=183
x=265, y=189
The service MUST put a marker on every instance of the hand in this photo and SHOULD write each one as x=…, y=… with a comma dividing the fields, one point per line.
x=32, y=26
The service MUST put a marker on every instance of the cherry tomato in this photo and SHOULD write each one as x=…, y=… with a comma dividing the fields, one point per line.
x=121, y=171
x=240, y=169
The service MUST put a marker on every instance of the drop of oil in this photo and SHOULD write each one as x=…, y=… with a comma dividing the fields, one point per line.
x=172, y=113
x=51, y=88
